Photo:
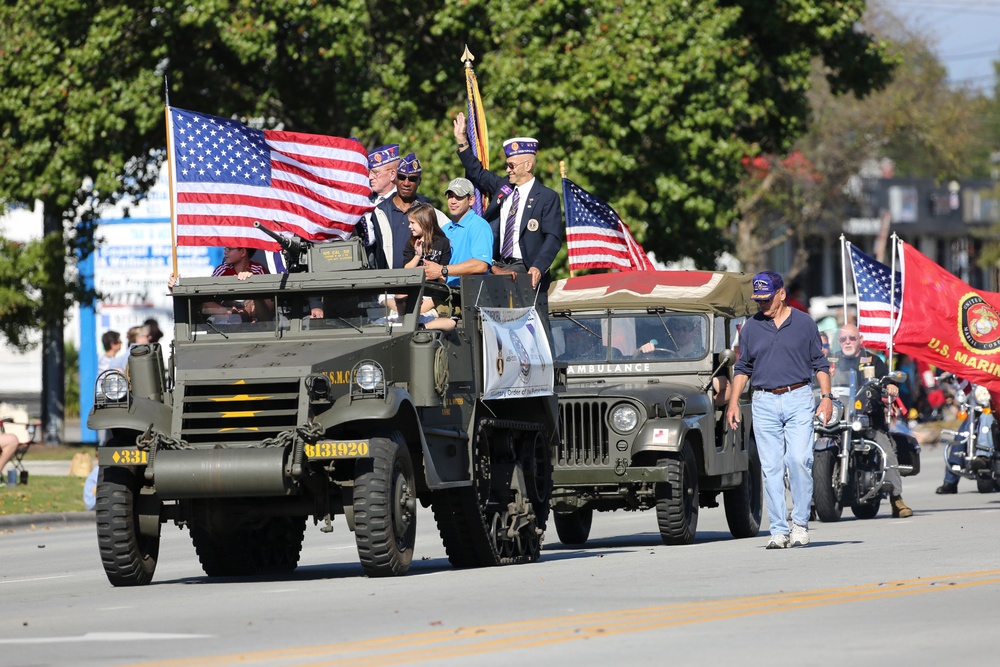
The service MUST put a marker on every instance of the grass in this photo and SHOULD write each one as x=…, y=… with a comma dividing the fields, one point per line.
x=43, y=493
x=57, y=452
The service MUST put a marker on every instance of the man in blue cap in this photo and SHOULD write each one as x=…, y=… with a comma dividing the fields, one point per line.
x=382, y=163
x=780, y=351
x=392, y=227
x=526, y=216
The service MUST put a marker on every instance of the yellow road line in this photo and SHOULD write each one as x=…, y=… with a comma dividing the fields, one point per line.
x=441, y=644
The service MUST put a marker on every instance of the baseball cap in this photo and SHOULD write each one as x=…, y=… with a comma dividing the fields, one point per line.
x=765, y=284
x=461, y=187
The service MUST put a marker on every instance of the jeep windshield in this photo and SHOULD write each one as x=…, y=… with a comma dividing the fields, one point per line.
x=353, y=310
x=648, y=336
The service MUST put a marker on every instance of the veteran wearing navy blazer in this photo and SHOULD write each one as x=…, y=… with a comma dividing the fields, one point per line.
x=526, y=216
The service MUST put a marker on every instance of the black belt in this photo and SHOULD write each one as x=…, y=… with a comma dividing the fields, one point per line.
x=510, y=260
x=785, y=390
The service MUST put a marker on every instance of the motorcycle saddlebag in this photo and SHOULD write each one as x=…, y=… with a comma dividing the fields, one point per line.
x=908, y=453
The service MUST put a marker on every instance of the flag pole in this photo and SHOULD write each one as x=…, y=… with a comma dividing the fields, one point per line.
x=843, y=273
x=562, y=175
x=170, y=185
x=475, y=123
x=892, y=298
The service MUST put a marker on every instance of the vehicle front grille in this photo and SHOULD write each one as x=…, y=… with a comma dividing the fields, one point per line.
x=583, y=433
x=242, y=413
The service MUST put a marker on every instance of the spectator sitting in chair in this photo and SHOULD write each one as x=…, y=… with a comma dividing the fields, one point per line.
x=8, y=447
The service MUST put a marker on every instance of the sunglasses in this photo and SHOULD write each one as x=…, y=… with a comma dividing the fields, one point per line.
x=826, y=346
x=514, y=165
x=412, y=178
x=844, y=339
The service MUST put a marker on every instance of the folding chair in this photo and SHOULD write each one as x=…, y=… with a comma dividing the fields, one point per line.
x=26, y=433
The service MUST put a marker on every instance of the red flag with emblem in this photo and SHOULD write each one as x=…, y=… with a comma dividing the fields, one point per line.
x=947, y=323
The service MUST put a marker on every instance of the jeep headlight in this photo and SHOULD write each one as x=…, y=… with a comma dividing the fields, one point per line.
x=112, y=387
x=624, y=418
x=368, y=375
x=982, y=395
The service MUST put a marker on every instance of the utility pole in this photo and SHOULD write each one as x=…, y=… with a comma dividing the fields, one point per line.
x=53, y=362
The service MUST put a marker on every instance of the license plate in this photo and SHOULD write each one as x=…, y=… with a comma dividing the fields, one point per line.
x=125, y=456
x=337, y=449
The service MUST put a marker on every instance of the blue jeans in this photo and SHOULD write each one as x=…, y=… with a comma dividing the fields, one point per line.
x=783, y=427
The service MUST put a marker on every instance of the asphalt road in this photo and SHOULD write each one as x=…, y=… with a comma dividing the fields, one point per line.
x=918, y=591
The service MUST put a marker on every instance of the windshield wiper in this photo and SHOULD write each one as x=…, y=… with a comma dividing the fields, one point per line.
x=582, y=326
x=667, y=329
x=214, y=328
x=349, y=323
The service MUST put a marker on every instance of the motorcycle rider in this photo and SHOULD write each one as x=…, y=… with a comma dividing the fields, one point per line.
x=956, y=452
x=868, y=366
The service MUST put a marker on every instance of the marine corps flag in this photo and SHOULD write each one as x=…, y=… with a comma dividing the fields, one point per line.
x=479, y=137
x=947, y=323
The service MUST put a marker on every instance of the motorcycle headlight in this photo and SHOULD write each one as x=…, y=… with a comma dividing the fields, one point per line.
x=836, y=414
x=112, y=387
x=860, y=423
x=368, y=375
x=982, y=395
x=624, y=418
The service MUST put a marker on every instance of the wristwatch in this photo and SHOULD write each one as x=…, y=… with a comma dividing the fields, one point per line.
x=444, y=270
x=830, y=396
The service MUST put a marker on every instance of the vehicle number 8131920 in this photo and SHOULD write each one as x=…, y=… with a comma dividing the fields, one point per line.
x=337, y=449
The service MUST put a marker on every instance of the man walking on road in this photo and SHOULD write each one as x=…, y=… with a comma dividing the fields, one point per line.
x=780, y=351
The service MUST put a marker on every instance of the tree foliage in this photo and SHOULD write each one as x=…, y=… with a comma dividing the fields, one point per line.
x=651, y=103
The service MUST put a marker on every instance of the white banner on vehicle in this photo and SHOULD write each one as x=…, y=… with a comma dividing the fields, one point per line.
x=517, y=360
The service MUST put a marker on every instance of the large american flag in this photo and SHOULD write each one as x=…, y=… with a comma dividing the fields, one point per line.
x=596, y=238
x=224, y=176
x=872, y=284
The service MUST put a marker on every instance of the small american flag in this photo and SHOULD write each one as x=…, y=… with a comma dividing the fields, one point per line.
x=872, y=283
x=224, y=176
x=596, y=238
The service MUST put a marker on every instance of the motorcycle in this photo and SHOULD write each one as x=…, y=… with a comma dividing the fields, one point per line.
x=971, y=453
x=849, y=464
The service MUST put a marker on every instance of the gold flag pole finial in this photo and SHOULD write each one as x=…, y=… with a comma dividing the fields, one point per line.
x=562, y=168
x=467, y=57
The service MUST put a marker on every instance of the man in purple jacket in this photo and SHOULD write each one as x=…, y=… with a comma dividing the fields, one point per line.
x=780, y=351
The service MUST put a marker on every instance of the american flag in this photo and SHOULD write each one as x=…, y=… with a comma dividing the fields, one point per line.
x=872, y=284
x=224, y=176
x=596, y=238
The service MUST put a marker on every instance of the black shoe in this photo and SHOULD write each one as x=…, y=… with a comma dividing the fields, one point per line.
x=947, y=487
x=979, y=463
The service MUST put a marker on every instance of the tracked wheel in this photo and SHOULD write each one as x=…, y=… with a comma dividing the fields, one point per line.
x=269, y=546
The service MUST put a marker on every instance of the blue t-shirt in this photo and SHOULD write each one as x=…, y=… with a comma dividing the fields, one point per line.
x=780, y=357
x=471, y=238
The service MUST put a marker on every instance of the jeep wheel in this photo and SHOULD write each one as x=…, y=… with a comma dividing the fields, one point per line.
x=269, y=547
x=128, y=556
x=573, y=528
x=745, y=504
x=385, y=510
x=826, y=482
x=677, y=499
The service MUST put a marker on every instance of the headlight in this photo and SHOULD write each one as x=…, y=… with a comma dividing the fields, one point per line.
x=861, y=422
x=624, y=418
x=112, y=386
x=836, y=414
x=982, y=395
x=368, y=375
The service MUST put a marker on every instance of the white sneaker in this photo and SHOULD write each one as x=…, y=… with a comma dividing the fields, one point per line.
x=778, y=542
x=800, y=535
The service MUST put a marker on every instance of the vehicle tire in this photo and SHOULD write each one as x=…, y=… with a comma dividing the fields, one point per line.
x=385, y=509
x=269, y=547
x=573, y=528
x=745, y=504
x=826, y=468
x=866, y=510
x=677, y=499
x=129, y=557
x=986, y=485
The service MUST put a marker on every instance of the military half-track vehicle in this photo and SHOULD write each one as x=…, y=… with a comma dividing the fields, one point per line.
x=642, y=421
x=317, y=393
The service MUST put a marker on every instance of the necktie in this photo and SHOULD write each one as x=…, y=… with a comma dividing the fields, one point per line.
x=508, y=236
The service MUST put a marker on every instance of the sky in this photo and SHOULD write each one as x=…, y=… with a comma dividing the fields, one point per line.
x=968, y=34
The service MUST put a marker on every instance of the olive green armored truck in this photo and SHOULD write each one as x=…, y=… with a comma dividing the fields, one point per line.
x=649, y=357
x=293, y=398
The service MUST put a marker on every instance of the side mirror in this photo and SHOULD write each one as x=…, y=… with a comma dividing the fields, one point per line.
x=896, y=377
x=727, y=357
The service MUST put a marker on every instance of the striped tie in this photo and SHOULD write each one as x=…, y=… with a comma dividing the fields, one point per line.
x=508, y=237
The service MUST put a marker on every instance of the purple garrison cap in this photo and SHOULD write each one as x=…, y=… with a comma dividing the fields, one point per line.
x=383, y=155
x=520, y=146
x=765, y=284
x=409, y=165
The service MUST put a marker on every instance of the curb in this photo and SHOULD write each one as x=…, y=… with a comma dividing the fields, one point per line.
x=46, y=519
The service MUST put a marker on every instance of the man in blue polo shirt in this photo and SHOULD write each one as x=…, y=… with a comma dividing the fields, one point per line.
x=780, y=351
x=471, y=237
